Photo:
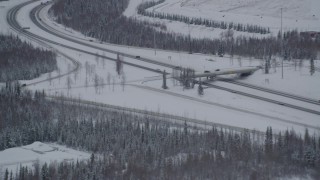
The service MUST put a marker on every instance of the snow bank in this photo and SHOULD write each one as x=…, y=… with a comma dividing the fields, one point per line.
x=37, y=152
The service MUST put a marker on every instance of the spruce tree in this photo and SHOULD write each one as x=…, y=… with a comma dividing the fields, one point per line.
x=6, y=175
x=200, y=89
x=312, y=68
x=164, y=77
x=221, y=50
x=269, y=143
x=45, y=172
x=118, y=65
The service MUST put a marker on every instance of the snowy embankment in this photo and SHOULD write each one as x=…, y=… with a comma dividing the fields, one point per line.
x=37, y=153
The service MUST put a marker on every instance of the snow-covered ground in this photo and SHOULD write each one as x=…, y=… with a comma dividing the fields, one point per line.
x=302, y=15
x=295, y=80
x=142, y=88
x=4, y=8
x=194, y=31
x=37, y=153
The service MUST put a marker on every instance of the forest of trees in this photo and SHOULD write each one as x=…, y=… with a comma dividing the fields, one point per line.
x=131, y=146
x=134, y=146
x=21, y=61
x=199, y=21
x=104, y=20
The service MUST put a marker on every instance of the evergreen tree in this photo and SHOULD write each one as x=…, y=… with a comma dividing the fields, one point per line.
x=269, y=143
x=119, y=65
x=185, y=129
x=149, y=156
x=221, y=50
x=45, y=172
x=6, y=175
x=310, y=156
x=307, y=139
x=266, y=67
x=92, y=159
x=312, y=68
x=164, y=78
x=200, y=89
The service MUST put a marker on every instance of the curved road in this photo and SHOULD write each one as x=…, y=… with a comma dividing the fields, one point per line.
x=11, y=18
x=35, y=15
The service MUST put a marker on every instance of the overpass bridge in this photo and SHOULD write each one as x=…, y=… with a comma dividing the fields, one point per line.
x=246, y=71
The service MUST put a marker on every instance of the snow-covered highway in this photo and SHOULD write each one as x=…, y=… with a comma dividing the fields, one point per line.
x=35, y=19
x=58, y=40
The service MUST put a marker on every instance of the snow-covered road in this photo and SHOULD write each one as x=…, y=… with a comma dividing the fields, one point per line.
x=117, y=93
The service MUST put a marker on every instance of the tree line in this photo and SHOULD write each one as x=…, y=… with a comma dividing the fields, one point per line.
x=21, y=61
x=142, y=10
x=104, y=20
x=131, y=146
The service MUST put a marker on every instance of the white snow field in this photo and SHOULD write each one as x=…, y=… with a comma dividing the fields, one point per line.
x=141, y=89
x=303, y=15
x=37, y=152
x=295, y=80
x=4, y=8
x=97, y=80
x=194, y=31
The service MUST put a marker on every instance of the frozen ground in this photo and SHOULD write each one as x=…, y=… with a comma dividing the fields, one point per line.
x=296, y=80
x=37, y=152
x=179, y=27
x=302, y=15
x=4, y=8
x=97, y=80
x=142, y=89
